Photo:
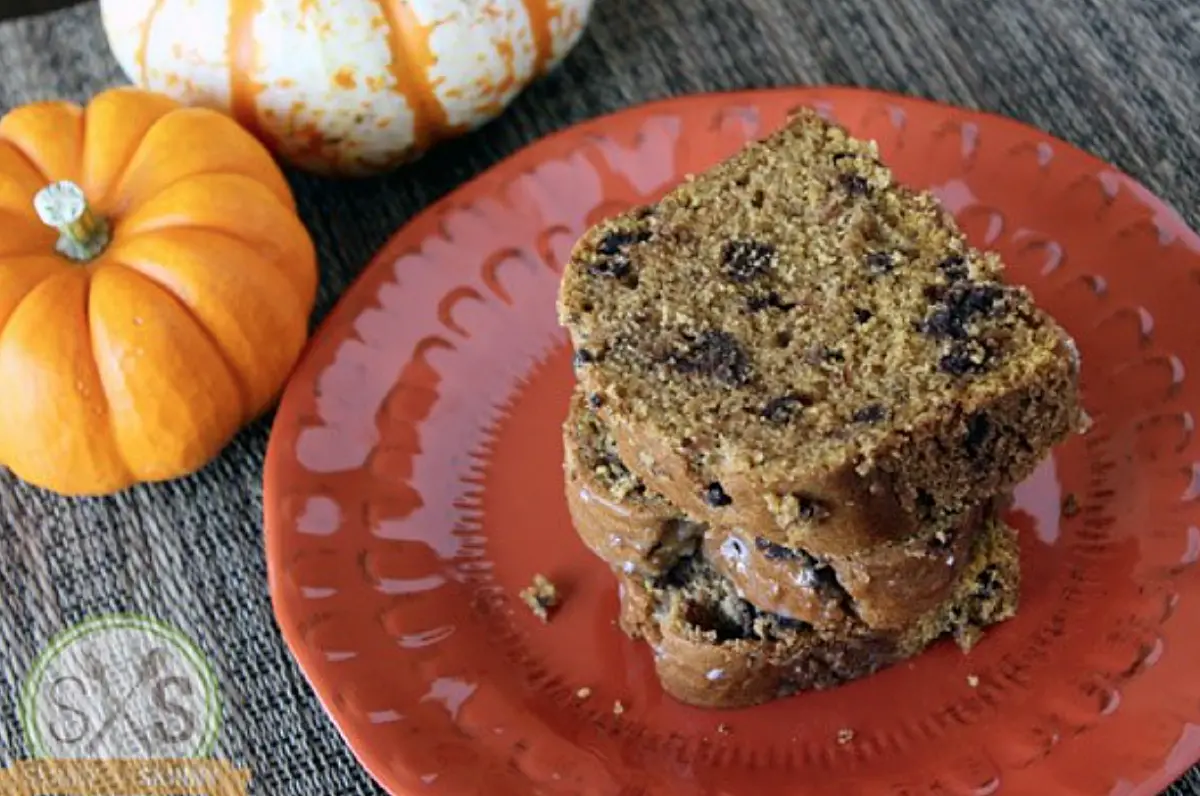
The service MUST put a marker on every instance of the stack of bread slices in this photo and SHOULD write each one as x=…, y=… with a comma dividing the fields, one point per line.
x=802, y=403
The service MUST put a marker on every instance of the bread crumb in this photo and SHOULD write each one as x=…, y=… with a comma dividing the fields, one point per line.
x=723, y=728
x=972, y=681
x=583, y=693
x=618, y=708
x=1070, y=505
x=541, y=597
x=845, y=736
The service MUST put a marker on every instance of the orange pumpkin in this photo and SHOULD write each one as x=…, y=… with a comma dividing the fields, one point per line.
x=155, y=289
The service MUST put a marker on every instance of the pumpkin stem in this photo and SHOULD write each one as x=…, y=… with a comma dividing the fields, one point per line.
x=81, y=235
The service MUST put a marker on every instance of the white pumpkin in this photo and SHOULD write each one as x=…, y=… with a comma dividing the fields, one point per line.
x=344, y=87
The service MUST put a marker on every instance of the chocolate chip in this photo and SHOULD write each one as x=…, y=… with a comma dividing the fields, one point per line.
x=941, y=323
x=941, y=540
x=616, y=266
x=954, y=267
x=747, y=260
x=818, y=354
x=987, y=582
x=880, y=263
x=978, y=430
x=965, y=357
x=960, y=305
x=871, y=413
x=613, y=249
x=730, y=622
x=787, y=623
x=854, y=184
x=925, y=504
x=716, y=354
x=583, y=357
x=595, y=400
x=616, y=467
x=785, y=407
x=811, y=509
x=824, y=578
x=771, y=300
x=714, y=495
x=775, y=552
x=618, y=241
x=863, y=315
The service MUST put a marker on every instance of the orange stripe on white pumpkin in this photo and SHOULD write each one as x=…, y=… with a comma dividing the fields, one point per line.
x=243, y=88
x=125, y=25
x=539, y=17
x=567, y=20
x=412, y=59
x=484, y=54
x=336, y=102
x=147, y=25
x=186, y=53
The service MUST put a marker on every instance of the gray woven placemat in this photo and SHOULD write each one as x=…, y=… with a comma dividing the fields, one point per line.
x=1121, y=79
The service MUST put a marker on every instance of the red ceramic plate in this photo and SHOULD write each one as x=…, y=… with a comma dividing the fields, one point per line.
x=414, y=486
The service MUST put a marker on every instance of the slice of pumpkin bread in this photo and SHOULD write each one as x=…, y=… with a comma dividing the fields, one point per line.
x=794, y=342
x=713, y=649
x=638, y=532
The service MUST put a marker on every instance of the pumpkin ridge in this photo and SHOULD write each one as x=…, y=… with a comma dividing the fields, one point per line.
x=150, y=227
x=302, y=291
x=125, y=476
x=43, y=245
x=93, y=363
x=117, y=172
x=28, y=289
x=20, y=151
x=235, y=375
x=270, y=175
x=31, y=116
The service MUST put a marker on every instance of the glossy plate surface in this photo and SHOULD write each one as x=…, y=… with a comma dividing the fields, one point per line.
x=414, y=487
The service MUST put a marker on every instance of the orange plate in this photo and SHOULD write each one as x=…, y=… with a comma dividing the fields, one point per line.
x=414, y=486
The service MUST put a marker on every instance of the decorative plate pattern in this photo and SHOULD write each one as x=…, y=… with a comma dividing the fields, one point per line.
x=414, y=486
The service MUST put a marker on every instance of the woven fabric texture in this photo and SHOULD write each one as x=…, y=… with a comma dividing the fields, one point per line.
x=1121, y=79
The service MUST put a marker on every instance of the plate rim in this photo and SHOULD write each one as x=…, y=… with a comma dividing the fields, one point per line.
x=322, y=685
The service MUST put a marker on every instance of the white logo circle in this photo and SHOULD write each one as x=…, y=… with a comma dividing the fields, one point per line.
x=120, y=687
